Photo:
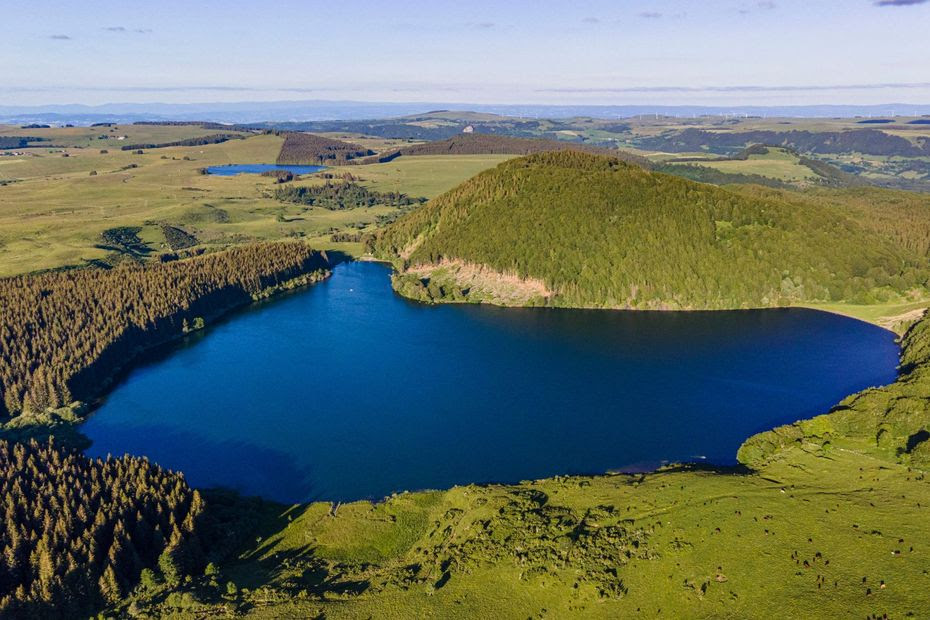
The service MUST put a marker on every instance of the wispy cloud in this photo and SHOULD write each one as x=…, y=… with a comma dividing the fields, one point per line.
x=125, y=29
x=60, y=37
x=481, y=25
x=591, y=20
x=747, y=88
x=235, y=89
x=898, y=2
x=764, y=5
x=650, y=15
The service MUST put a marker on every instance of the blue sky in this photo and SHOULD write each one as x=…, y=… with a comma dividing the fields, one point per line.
x=715, y=52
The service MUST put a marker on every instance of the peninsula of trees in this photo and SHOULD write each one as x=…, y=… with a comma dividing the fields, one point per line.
x=339, y=195
x=63, y=334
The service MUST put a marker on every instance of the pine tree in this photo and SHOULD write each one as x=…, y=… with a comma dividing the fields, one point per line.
x=169, y=566
x=109, y=586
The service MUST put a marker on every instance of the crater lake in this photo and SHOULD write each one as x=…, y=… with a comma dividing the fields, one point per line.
x=346, y=390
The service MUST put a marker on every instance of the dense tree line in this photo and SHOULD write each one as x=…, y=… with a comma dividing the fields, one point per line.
x=425, y=127
x=348, y=237
x=306, y=148
x=62, y=334
x=198, y=141
x=899, y=216
x=706, y=174
x=125, y=240
x=280, y=176
x=17, y=142
x=344, y=195
x=178, y=238
x=827, y=175
x=868, y=141
x=79, y=532
x=600, y=232
x=746, y=153
x=484, y=144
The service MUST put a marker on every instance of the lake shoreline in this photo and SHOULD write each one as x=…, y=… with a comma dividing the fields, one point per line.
x=68, y=418
x=353, y=290
x=886, y=322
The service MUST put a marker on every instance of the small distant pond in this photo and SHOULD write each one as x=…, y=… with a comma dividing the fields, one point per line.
x=230, y=170
x=346, y=390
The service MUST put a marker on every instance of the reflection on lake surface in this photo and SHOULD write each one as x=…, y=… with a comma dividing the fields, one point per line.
x=346, y=390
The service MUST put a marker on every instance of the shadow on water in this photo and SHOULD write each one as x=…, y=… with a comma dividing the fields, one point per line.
x=154, y=355
x=337, y=257
x=237, y=465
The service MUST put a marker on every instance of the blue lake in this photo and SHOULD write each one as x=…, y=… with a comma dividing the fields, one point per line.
x=346, y=390
x=234, y=169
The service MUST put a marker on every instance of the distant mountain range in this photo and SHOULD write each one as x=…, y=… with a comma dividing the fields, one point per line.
x=315, y=110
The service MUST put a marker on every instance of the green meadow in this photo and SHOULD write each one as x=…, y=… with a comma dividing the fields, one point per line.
x=813, y=534
x=777, y=163
x=55, y=211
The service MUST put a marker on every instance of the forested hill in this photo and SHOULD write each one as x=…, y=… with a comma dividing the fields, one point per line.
x=869, y=141
x=595, y=231
x=487, y=144
x=306, y=148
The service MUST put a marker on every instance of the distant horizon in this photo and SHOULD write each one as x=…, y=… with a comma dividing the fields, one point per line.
x=592, y=52
x=310, y=110
x=455, y=104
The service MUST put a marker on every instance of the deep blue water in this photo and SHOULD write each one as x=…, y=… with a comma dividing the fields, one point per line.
x=346, y=390
x=234, y=169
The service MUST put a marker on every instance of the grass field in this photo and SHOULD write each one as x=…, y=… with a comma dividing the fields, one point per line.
x=90, y=137
x=777, y=163
x=54, y=213
x=896, y=316
x=810, y=536
x=425, y=175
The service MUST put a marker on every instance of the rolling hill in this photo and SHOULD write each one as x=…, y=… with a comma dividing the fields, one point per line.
x=486, y=144
x=306, y=148
x=577, y=229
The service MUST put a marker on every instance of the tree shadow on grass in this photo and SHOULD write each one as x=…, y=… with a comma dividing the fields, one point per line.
x=261, y=525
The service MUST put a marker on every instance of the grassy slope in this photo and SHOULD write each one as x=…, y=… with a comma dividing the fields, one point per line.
x=777, y=163
x=891, y=422
x=605, y=234
x=833, y=511
x=90, y=136
x=425, y=175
